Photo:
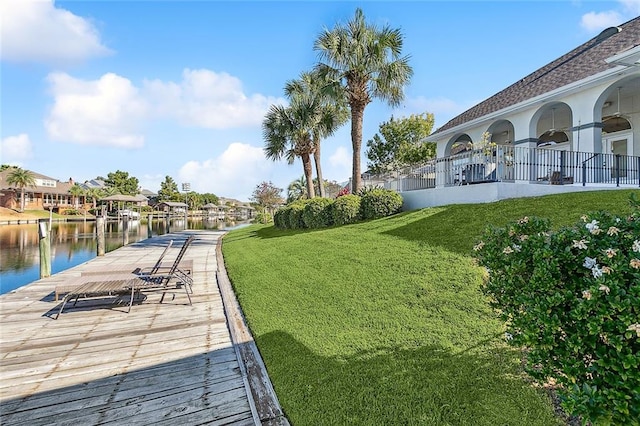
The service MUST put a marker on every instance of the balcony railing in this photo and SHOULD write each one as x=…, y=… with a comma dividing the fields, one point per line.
x=522, y=165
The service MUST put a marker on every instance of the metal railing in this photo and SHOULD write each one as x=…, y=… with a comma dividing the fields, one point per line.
x=516, y=164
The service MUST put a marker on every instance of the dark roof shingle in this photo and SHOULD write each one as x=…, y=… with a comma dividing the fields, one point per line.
x=582, y=62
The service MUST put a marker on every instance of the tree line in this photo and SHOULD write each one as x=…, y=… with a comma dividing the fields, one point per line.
x=118, y=182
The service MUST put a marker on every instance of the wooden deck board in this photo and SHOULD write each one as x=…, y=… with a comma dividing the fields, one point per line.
x=167, y=363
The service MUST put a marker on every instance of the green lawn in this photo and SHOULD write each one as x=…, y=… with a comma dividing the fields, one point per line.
x=382, y=322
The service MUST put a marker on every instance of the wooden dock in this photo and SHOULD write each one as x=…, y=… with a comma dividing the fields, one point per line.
x=160, y=364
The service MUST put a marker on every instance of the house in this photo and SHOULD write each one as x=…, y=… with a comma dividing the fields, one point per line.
x=235, y=209
x=47, y=193
x=574, y=124
x=215, y=211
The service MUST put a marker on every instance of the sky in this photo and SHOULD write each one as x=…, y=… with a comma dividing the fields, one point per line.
x=180, y=88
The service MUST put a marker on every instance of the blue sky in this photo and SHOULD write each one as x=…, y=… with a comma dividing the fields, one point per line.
x=180, y=88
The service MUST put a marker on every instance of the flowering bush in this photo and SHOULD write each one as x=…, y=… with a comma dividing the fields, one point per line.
x=343, y=192
x=571, y=298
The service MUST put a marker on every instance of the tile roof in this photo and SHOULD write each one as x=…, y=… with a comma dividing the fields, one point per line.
x=582, y=62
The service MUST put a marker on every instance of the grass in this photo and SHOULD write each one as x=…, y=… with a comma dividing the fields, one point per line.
x=382, y=322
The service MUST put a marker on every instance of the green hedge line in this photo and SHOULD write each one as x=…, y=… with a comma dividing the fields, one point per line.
x=324, y=212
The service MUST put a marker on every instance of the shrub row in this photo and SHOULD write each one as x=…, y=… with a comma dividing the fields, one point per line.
x=323, y=212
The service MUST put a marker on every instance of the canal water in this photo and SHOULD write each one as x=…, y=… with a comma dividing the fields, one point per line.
x=73, y=243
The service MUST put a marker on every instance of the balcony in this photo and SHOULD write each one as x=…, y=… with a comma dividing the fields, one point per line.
x=536, y=166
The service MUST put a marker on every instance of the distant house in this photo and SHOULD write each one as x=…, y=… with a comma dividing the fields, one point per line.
x=172, y=207
x=216, y=211
x=573, y=124
x=47, y=193
x=237, y=210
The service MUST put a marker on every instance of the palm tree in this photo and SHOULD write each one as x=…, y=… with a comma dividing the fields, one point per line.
x=21, y=178
x=332, y=110
x=76, y=192
x=366, y=59
x=286, y=131
x=95, y=194
x=296, y=190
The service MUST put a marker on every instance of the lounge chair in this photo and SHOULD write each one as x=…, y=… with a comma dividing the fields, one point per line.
x=173, y=278
x=119, y=283
x=109, y=287
x=122, y=270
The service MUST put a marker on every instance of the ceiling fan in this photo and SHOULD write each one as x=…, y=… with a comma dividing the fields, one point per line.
x=552, y=130
x=617, y=113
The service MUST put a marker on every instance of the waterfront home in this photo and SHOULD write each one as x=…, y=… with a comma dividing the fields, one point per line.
x=573, y=124
x=47, y=194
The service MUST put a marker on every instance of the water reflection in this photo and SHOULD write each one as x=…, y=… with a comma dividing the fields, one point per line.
x=73, y=243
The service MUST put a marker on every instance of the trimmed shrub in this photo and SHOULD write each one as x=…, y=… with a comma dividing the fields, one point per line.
x=571, y=298
x=346, y=209
x=295, y=214
x=317, y=213
x=279, y=219
x=379, y=202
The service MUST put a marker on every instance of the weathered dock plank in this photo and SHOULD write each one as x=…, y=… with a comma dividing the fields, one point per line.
x=170, y=363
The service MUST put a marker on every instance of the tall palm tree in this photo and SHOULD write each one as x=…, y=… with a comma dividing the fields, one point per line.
x=332, y=110
x=21, y=178
x=287, y=132
x=366, y=60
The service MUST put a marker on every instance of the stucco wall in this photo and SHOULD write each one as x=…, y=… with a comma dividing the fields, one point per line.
x=486, y=193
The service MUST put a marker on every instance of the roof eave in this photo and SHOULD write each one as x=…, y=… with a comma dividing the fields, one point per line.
x=590, y=81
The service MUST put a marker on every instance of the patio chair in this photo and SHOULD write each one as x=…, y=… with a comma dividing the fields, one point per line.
x=121, y=270
x=111, y=286
x=162, y=280
x=557, y=179
x=119, y=283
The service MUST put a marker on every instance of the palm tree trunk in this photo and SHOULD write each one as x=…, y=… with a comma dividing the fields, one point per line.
x=22, y=200
x=308, y=173
x=316, y=158
x=357, y=115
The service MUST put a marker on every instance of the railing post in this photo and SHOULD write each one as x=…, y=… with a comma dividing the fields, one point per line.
x=562, y=161
x=584, y=173
x=617, y=169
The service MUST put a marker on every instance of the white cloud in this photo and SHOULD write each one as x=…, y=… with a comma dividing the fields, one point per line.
x=104, y=112
x=37, y=31
x=207, y=99
x=235, y=173
x=596, y=21
x=16, y=149
x=112, y=111
x=631, y=7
